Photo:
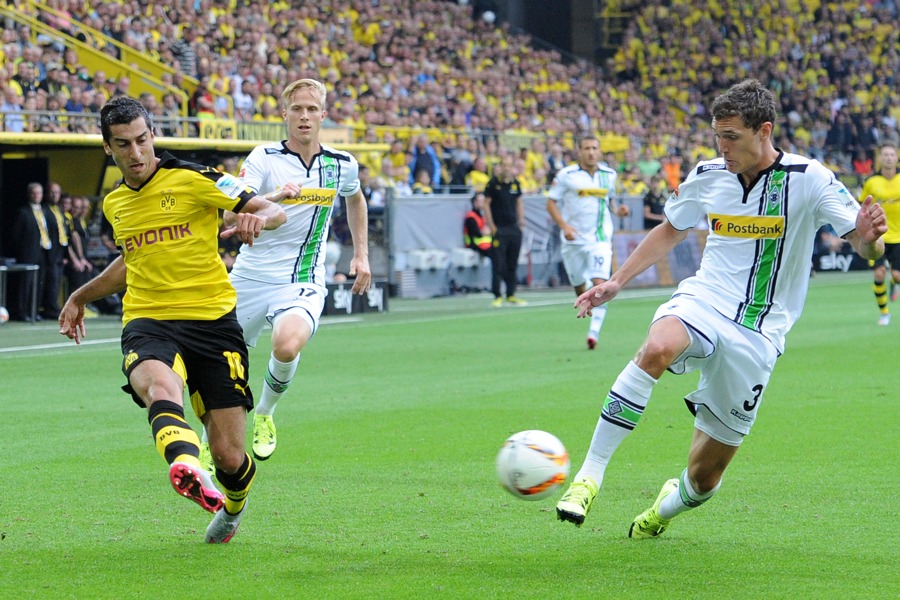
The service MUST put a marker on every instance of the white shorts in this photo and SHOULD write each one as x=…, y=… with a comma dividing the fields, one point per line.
x=259, y=303
x=735, y=365
x=586, y=262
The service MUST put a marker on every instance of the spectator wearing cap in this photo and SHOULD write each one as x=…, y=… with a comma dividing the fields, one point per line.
x=56, y=80
x=50, y=53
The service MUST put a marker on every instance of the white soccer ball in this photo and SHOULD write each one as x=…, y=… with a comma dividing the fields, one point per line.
x=532, y=464
x=4, y=315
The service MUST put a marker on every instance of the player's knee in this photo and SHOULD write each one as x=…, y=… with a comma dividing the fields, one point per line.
x=229, y=460
x=286, y=350
x=289, y=337
x=159, y=391
x=655, y=356
x=704, y=480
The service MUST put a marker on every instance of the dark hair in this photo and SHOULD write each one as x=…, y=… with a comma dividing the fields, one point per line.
x=122, y=110
x=750, y=100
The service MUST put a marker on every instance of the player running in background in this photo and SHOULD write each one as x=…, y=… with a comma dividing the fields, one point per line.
x=729, y=320
x=281, y=278
x=179, y=319
x=581, y=201
x=885, y=189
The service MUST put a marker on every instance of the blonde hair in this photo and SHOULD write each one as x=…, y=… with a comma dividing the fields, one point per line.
x=302, y=84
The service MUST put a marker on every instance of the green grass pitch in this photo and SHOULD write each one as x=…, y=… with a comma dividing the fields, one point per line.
x=383, y=484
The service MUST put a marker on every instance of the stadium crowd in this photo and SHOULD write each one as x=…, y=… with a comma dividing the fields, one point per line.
x=451, y=92
x=397, y=66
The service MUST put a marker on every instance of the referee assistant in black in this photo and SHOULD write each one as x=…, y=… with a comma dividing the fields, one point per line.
x=505, y=215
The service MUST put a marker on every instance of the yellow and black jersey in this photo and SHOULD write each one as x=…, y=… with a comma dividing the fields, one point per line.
x=167, y=232
x=886, y=192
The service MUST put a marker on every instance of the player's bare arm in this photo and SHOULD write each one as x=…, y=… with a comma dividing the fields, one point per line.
x=655, y=245
x=290, y=190
x=557, y=217
x=258, y=214
x=358, y=219
x=871, y=224
x=71, y=317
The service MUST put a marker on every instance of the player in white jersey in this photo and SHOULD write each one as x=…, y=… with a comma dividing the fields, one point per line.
x=581, y=201
x=281, y=278
x=763, y=207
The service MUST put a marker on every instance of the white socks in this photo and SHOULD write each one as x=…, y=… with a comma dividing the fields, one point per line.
x=278, y=378
x=621, y=412
x=598, y=313
x=685, y=498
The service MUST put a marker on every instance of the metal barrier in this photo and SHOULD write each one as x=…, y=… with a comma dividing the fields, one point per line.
x=20, y=268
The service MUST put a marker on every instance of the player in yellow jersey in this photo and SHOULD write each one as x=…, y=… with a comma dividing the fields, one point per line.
x=885, y=189
x=179, y=306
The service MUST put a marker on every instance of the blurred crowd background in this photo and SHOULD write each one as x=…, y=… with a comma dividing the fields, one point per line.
x=439, y=91
x=450, y=75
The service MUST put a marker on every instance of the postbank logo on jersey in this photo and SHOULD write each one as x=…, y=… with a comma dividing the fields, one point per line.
x=755, y=227
x=314, y=196
x=593, y=192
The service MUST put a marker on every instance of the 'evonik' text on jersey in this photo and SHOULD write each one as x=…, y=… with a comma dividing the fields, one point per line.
x=167, y=232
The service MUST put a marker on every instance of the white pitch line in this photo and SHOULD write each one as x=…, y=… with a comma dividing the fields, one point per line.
x=117, y=340
x=60, y=345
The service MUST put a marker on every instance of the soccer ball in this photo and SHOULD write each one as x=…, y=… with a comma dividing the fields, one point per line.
x=532, y=464
x=4, y=315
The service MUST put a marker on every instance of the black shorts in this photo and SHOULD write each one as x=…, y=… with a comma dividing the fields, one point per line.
x=891, y=256
x=210, y=356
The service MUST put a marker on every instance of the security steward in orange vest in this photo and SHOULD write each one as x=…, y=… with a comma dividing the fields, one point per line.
x=476, y=233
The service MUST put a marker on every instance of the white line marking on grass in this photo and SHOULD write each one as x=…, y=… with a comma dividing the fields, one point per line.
x=59, y=345
x=71, y=344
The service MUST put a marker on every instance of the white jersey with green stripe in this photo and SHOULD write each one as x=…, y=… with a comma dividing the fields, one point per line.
x=295, y=252
x=583, y=200
x=756, y=264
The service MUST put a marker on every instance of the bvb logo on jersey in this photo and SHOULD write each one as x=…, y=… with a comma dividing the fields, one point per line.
x=168, y=202
x=130, y=358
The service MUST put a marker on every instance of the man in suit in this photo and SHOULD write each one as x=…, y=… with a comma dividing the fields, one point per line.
x=31, y=246
x=58, y=229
